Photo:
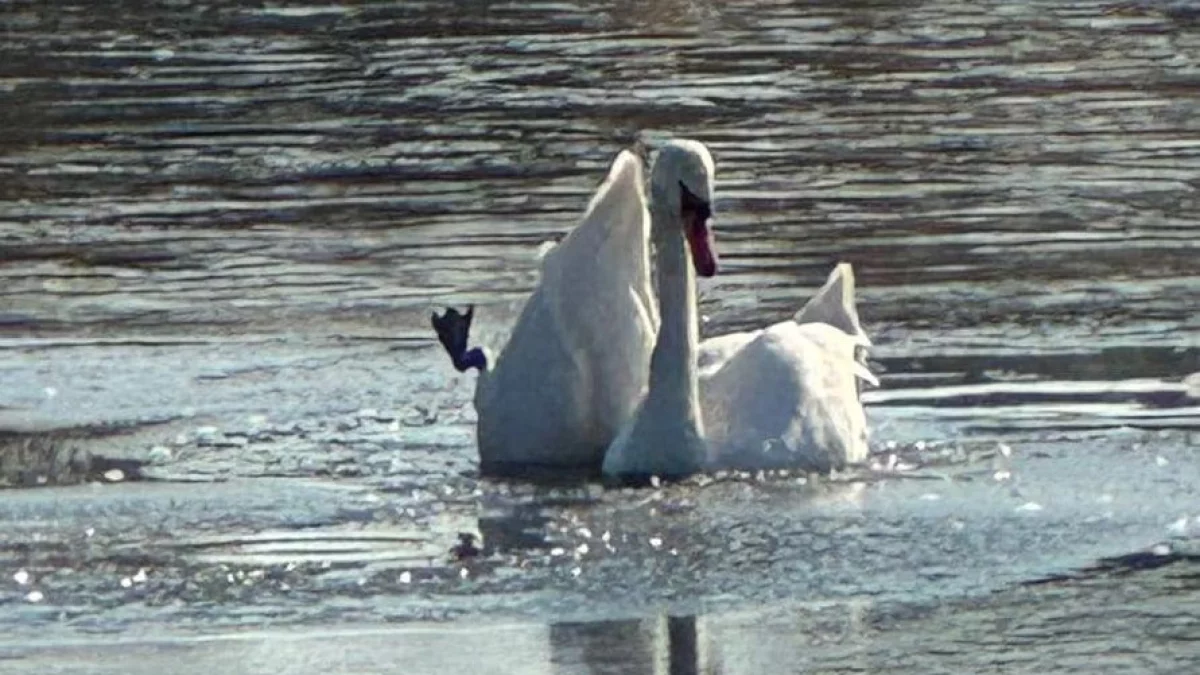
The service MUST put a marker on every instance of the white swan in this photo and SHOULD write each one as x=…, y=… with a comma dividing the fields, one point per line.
x=577, y=361
x=788, y=396
x=785, y=396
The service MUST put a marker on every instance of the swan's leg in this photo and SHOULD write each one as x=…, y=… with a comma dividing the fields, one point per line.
x=453, y=330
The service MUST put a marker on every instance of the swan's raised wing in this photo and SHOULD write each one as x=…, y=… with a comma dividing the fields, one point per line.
x=596, y=285
x=578, y=356
x=834, y=304
x=611, y=241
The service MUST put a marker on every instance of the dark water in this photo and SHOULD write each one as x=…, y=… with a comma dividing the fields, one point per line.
x=222, y=226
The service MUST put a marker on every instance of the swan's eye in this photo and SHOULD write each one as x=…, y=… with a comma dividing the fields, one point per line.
x=693, y=205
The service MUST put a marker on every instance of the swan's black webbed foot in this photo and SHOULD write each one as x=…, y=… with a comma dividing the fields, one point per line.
x=465, y=548
x=454, y=330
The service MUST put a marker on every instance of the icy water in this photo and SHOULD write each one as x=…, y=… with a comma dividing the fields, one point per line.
x=232, y=445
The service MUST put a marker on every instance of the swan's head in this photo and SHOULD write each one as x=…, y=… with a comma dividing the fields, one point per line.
x=682, y=183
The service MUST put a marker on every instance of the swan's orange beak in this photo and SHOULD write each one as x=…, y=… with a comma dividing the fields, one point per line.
x=700, y=241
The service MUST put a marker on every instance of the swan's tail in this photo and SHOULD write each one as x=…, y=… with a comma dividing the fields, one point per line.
x=453, y=331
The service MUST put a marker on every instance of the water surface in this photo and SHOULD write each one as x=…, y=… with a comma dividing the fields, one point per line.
x=222, y=227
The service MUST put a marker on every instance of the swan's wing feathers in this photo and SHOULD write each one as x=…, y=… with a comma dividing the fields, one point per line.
x=587, y=276
x=819, y=342
x=862, y=372
x=592, y=308
x=618, y=207
x=795, y=383
x=623, y=187
x=834, y=304
x=715, y=352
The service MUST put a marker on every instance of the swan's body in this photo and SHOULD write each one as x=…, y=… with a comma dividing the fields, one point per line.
x=785, y=396
x=576, y=362
x=788, y=396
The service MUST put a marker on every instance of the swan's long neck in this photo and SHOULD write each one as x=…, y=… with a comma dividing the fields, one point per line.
x=674, y=388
